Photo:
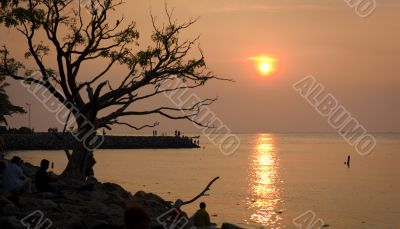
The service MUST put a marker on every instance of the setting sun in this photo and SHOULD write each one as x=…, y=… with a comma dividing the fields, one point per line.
x=265, y=64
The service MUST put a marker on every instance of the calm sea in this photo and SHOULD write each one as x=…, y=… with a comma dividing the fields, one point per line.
x=271, y=180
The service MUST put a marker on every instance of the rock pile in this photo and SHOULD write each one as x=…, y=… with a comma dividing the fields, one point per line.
x=103, y=208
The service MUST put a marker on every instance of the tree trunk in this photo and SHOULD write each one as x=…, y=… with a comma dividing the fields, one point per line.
x=77, y=166
x=81, y=161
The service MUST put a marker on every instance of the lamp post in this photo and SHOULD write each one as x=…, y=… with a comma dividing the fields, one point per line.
x=29, y=115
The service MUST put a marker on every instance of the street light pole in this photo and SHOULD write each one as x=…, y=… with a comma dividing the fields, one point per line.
x=29, y=115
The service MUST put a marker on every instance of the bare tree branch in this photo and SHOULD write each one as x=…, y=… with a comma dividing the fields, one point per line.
x=78, y=41
x=135, y=127
x=201, y=193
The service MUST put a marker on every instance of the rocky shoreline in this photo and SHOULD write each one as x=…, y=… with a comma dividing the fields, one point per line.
x=49, y=141
x=104, y=207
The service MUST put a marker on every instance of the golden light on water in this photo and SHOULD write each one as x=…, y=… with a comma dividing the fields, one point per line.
x=263, y=179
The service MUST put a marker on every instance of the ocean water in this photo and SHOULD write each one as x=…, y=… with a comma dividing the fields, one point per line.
x=271, y=181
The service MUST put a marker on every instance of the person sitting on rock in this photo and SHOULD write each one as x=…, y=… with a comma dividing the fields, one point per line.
x=136, y=218
x=90, y=183
x=42, y=179
x=177, y=212
x=14, y=179
x=201, y=219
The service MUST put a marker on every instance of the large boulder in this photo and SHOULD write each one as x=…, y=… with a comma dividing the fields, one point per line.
x=151, y=203
x=160, y=210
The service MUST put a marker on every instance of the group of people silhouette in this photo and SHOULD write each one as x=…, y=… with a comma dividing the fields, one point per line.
x=16, y=182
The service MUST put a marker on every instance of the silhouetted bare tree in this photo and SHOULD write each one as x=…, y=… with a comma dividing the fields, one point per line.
x=77, y=33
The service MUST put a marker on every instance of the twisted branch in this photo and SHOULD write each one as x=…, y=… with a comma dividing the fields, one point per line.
x=201, y=193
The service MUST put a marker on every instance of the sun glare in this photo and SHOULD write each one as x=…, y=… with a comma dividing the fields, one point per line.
x=265, y=64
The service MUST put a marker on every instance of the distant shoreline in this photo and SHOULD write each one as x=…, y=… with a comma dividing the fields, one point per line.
x=48, y=141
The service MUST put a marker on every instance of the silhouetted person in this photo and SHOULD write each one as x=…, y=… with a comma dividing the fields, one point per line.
x=42, y=179
x=26, y=170
x=178, y=213
x=136, y=218
x=348, y=161
x=179, y=133
x=14, y=179
x=201, y=218
x=90, y=183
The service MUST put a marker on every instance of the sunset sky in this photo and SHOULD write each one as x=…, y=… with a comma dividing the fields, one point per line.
x=356, y=59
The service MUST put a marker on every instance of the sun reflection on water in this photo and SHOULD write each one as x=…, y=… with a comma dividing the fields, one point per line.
x=263, y=182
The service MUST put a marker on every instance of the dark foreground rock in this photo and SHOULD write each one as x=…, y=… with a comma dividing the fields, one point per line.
x=103, y=208
x=84, y=210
